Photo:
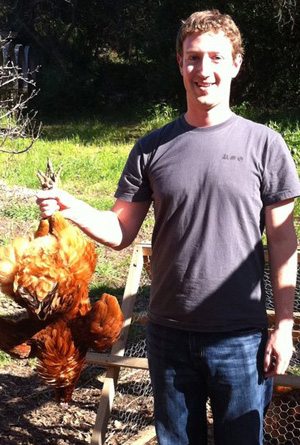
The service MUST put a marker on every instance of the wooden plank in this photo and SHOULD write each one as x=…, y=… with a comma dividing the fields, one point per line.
x=106, y=360
x=143, y=438
x=296, y=327
x=271, y=316
x=112, y=374
x=129, y=297
x=287, y=380
x=266, y=254
x=105, y=406
x=146, y=248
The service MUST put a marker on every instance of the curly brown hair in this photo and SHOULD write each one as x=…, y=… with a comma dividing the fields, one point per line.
x=210, y=20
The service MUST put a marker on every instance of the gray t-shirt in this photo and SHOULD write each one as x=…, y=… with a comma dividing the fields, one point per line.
x=209, y=187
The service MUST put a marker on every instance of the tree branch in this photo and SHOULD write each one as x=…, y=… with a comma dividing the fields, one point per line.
x=16, y=122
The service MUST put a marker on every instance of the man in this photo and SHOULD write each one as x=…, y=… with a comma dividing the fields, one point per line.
x=216, y=180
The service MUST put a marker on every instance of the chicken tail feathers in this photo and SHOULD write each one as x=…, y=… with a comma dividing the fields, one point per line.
x=105, y=323
x=60, y=361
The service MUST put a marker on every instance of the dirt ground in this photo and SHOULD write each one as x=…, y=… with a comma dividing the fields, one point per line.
x=28, y=414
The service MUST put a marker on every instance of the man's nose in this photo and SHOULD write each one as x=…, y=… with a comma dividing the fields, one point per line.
x=204, y=66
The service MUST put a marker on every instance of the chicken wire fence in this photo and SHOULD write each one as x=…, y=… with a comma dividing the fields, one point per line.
x=133, y=404
x=282, y=422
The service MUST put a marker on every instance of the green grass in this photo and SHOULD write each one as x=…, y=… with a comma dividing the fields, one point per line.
x=20, y=212
x=92, y=153
x=5, y=358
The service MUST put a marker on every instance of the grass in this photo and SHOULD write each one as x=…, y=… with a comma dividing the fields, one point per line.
x=19, y=212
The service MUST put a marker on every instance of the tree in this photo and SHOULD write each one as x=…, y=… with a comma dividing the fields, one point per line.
x=95, y=52
x=18, y=126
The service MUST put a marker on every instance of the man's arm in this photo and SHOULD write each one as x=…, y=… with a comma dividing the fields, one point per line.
x=282, y=247
x=116, y=228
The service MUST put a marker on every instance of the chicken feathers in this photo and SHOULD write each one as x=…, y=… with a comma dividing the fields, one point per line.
x=44, y=273
x=100, y=328
x=60, y=360
x=48, y=274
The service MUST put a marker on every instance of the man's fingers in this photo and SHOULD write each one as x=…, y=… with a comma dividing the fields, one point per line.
x=275, y=366
x=48, y=207
x=268, y=359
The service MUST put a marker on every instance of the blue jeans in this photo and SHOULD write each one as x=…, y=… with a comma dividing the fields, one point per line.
x=187, y=368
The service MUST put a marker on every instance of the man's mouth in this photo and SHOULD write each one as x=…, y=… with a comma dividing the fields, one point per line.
x=204, y=85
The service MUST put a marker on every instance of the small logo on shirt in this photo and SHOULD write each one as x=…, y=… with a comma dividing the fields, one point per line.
x=233, y=158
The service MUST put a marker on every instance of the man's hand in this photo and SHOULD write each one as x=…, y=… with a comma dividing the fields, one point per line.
x=279, y=351
x=51, y=201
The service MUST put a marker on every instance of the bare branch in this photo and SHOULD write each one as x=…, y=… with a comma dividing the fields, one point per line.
x=16, y=123
x=286, y=11
x=28, y=147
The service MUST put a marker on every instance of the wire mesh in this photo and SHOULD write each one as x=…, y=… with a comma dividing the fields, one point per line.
x=282, y=422
x=295, y=361
x=133, y=403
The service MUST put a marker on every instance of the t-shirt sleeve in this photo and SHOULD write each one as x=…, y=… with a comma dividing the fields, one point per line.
x=134, y=185
x=280, y=176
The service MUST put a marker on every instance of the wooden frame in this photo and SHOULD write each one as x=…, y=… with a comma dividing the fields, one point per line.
x=115, y=360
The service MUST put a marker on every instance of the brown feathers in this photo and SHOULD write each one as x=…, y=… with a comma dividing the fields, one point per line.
x=48, y=274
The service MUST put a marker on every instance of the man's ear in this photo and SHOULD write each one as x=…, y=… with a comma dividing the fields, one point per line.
x=236, y=66
x=179, y=61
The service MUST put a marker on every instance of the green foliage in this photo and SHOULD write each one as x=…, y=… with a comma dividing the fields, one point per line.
x=291, y=134
x=248, y=111
x=158, y=115
x=285, y=123
x=19, y=212
x=4, y=358
x=98, y=55
x=294, y=370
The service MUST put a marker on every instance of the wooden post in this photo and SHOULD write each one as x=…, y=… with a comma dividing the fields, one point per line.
x=112, y=374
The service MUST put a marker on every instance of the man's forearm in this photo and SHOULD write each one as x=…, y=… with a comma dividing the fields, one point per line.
x=103, y=226
x=116, y=228
x=283, y=267
x=282, y=246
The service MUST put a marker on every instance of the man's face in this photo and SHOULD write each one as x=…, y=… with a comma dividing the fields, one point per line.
x=207, y=68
